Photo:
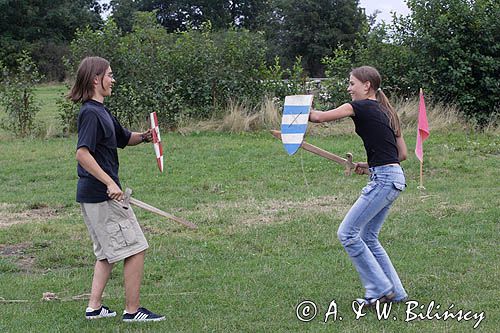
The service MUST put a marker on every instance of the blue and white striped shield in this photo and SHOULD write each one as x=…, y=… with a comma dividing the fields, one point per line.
x=294, y=121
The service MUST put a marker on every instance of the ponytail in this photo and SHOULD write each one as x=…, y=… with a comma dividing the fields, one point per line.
x=389, y=110
x=370, y=74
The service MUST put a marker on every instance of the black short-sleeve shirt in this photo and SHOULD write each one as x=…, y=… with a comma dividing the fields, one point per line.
x=102, y=134
x=373, y=126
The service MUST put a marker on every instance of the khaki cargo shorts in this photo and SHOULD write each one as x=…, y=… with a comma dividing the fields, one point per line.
x=114, y=230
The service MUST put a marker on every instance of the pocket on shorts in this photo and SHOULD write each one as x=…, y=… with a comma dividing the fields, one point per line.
x=120, y=228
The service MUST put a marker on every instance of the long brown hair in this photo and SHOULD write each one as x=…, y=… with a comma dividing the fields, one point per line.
x=371, y=74
x=83, y=89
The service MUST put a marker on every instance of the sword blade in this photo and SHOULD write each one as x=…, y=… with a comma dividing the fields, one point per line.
x=160, y=212
x=349, y=165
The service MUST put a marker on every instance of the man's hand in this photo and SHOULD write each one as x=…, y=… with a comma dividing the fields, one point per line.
x=147, y=136
x=114, y=192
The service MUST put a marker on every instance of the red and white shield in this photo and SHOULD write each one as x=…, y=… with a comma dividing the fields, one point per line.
x=157, y=140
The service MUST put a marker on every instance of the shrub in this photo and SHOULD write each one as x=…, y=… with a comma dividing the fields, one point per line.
x=68, y=113
x=17, y=95
x=189, y=74
x=455, y=45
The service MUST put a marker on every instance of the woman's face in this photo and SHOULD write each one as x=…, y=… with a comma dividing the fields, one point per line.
x=357, y=89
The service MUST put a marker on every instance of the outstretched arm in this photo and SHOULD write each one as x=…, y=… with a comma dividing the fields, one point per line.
x=345, y=110
x=137, y=138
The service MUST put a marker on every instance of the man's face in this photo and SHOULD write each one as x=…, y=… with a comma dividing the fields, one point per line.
x=105, y=83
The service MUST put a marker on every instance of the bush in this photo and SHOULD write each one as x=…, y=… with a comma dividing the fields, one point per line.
x=456, y=47
x=178, y=75
x=68, y=113
x=337, y=68
x=17, y=95
x=449, y=48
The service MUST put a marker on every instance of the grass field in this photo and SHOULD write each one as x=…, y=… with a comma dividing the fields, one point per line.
x=266, y=239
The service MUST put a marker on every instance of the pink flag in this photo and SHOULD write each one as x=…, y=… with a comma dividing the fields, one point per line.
x=423, y=128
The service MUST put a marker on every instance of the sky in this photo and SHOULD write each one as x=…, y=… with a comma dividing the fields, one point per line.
x=385, y=6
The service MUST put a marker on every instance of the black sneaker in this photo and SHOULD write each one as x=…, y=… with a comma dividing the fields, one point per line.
x=372, y=302
x=103, y=312
x=142, y=314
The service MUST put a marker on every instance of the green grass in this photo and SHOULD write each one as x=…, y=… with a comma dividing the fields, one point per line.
x=47, y=96
x=47, y=122
x=266, y=239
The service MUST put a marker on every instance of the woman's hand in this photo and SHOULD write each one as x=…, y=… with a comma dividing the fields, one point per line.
x=361, y=168
x=313, y=116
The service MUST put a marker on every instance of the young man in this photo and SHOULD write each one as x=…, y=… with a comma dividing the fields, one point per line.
x=114, y=230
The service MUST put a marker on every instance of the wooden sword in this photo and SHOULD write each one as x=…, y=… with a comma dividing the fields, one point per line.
x=346, y=162
x=127, y=199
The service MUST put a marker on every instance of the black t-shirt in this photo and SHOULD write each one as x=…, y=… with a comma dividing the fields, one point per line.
x=102, y=134
x=372, y=125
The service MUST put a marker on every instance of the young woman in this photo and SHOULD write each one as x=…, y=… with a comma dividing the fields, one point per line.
x=114, y=231
x=378, y=125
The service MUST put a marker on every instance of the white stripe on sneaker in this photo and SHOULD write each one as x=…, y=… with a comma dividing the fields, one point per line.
x=142, y=315
x=103, y=313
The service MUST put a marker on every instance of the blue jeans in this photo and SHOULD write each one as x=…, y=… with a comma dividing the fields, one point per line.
x=359, y=231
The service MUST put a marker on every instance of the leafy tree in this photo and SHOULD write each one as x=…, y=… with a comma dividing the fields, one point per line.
x=249, y=14
x=334, y=89
x=44, y=28
x=456, y=48
x=182, y=15
x=382, y=48
x=123, y=12
x=294, y=28
x=312, y=28
x=450, y=48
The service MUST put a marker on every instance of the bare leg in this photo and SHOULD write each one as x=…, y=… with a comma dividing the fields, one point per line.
x=132, y=274
x=102, y=271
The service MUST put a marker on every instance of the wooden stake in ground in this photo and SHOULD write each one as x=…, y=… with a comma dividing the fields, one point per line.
x=421, y=186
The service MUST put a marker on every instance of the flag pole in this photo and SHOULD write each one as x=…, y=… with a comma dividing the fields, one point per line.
x=421, y=187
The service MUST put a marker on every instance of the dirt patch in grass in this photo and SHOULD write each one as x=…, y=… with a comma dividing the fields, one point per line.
x=10, y=214
x=250, y=212
x=16, y=253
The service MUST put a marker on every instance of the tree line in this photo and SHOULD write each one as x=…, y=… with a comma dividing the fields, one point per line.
x=309, y=29
x=448, y=47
